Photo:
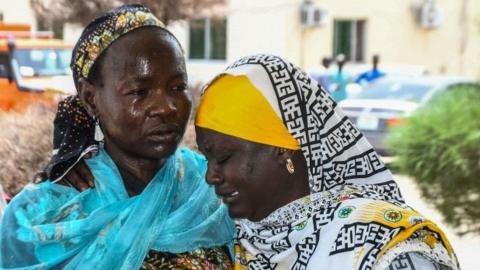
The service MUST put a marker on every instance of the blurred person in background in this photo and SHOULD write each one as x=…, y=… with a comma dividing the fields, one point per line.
x=150, y=207
x=372, y=74
x=322, y=74
x=339, y=80
x=305, y=187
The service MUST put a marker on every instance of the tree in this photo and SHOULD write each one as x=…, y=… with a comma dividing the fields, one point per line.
x=439, y=147
x=59, y=12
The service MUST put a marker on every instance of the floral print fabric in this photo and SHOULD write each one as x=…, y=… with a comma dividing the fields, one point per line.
x=202, y=259
x=106, y=31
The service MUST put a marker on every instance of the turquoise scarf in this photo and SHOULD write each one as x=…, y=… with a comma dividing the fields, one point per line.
x=49, y=225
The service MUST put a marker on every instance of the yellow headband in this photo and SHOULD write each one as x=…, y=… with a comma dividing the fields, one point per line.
x=232, y=105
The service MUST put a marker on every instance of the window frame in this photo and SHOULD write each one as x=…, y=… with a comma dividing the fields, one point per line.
x=207, y=38
x=357, y=48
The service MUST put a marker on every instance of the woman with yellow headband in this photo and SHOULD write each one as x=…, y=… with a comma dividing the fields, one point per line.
x=305, y=187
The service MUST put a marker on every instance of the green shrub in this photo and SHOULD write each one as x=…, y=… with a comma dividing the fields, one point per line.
x=440, y=147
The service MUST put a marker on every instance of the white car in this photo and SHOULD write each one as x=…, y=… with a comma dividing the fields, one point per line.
x=388, y=101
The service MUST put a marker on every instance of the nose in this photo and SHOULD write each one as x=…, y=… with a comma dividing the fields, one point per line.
x=212, y=176
x=162, y=104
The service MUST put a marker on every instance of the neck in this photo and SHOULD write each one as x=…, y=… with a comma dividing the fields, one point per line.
x=297, y=183
x=291, y=187
x=143, y=169
x=299, y=186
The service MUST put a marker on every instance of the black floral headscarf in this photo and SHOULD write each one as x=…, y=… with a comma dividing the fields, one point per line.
x=74, y=128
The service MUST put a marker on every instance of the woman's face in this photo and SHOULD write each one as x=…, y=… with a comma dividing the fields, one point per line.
x=143, y=104
x=249, y=177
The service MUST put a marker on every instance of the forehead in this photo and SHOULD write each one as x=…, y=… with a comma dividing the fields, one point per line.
x=145, y=46
x=210, y=140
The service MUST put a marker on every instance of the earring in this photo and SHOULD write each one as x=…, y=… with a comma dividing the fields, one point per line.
x=98, y=136
x=290, y=167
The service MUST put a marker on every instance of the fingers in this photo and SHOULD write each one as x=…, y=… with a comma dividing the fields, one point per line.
x=63, y=182
x=79, y=177
x=40, y=177
x=85, y=173
x=75, y=180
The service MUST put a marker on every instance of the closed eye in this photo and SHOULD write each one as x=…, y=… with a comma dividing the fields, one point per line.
x=223, y=158
x=138, y=92
x=179, y=88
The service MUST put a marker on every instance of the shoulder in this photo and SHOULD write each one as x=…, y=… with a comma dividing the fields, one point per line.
x=193, y=157
x=41, y=196
x=191, y=168
x=190, y=163
x=46, y=203
x=392, y=229
x=36, y=204
x=413, y=261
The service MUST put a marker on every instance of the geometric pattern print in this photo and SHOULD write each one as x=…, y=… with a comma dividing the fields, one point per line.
x=358, y=234
x=276, y=246
x=337, y=155
x=292, y=89
x=386, y=191
x=321, y=128
x=414, y=261
x=402, y=262
x=363, y=165
x=261, y=263
x=305, y=250
x=318, y=212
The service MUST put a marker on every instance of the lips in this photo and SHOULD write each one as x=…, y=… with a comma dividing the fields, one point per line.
x=228, y=197
x=164, y=133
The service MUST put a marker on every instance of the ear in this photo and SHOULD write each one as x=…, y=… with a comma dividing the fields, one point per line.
x=283, y=154
x=86, y=92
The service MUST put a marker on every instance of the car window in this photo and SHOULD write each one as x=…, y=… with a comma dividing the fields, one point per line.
x=43, y=62
x=396, y=90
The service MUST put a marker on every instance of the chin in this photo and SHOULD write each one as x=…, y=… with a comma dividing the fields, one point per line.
x=157, y=151
x=164, y=150
x=234, y=211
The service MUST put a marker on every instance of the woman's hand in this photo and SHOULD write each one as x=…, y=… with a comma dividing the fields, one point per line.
x=78, y=177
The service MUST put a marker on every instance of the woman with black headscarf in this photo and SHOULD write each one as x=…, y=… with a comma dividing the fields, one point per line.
x=150, y=207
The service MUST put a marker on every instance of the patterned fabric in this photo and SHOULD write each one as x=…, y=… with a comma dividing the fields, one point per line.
x=246, y=121
x=73, y=137
x=202, y=259
x=104, y=31
x=355, y=212
x=52, y=226
x=415, y=261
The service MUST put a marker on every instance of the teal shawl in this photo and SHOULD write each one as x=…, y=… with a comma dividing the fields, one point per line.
x=50, y=226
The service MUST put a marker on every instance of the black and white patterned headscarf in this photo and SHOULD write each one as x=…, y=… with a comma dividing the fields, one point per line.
x=335, y=150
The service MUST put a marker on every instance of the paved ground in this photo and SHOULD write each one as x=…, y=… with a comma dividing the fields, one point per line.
x=467, y=247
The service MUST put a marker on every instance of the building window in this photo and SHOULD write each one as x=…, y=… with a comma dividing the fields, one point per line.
x=55, y=28
x=208, y=39
x=349, y=39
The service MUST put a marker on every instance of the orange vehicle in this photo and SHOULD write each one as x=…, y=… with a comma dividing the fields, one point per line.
x=34, y=68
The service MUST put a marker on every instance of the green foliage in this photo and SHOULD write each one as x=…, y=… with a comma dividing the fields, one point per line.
x=440, y=147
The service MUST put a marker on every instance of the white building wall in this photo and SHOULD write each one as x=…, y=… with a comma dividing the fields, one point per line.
x=252, y=27
x=18, y=11
x=257, y=27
